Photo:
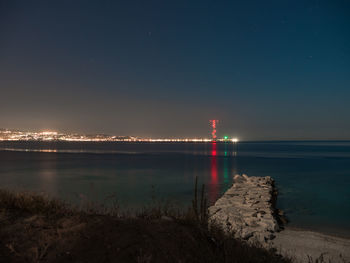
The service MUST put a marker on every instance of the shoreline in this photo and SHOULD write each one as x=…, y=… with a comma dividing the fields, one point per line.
x=248, y=209
x=330, y=233
x=301, y=245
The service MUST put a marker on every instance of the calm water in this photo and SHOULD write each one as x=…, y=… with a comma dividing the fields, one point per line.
x=313, y=178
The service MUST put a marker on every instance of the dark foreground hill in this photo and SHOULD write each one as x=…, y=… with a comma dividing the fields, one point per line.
x=34, y=228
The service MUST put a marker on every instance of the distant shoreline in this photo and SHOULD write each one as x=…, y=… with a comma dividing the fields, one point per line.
x=170, y=140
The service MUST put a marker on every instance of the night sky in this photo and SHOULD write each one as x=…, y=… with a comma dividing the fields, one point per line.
x=265, y=69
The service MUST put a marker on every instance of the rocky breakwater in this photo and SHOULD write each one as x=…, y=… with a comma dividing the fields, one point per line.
x=247, y=209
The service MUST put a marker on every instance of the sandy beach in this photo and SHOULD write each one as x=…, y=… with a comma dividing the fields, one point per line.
x=308, y=246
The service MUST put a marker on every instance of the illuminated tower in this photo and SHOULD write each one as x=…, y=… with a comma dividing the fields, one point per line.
x=213, y=124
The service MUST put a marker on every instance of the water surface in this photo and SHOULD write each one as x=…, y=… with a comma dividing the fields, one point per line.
x=313, y=178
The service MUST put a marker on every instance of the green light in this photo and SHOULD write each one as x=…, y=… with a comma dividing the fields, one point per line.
x=225, y=137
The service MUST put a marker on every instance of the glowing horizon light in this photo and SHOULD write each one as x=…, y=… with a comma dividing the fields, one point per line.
x=235, y=140
x=49, y=133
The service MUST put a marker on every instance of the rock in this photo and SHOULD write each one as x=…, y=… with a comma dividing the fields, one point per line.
x=246, y=209
x=246, y=233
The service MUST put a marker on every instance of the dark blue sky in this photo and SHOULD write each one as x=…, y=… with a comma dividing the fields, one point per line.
x=266, y=69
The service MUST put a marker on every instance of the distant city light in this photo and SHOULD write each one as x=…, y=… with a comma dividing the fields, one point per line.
x=49, y=133
x=8, y=135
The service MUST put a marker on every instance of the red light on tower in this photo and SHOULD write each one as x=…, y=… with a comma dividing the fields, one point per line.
x=213, y=124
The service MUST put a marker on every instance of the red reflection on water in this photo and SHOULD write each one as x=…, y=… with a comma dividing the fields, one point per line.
x=213, y=149
x=214, y=187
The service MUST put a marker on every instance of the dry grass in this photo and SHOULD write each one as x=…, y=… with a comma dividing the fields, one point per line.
x=31, y=203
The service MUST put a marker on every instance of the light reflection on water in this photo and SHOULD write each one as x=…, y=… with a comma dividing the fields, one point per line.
x=31, y=150
x=48, y=174
x=313, y=178
x=214, y=182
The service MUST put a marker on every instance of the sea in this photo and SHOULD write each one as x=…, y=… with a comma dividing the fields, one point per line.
x=312, y=177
